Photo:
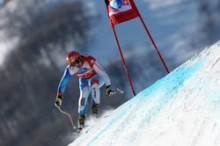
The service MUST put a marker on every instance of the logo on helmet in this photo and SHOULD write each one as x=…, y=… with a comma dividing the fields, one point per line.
x=116, y=4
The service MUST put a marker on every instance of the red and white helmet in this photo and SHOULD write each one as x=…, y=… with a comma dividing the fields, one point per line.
x=72, y=56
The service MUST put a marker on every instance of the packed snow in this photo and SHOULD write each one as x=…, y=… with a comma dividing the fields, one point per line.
x=181, y=109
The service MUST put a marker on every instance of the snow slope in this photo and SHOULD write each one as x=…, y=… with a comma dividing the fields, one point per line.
x=181, y=109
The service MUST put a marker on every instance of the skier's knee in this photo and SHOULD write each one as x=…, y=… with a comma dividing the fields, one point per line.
x=82, y=106
x=96, y=93
x=83, y=102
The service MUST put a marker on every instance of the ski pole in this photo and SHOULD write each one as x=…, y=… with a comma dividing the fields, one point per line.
x=69, y=116
x=119, y=91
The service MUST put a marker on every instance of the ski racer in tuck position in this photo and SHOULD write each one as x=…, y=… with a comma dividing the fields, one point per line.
x=91, y=78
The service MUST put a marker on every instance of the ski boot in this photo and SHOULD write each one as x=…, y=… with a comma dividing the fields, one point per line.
x=81, y=122
x=95, y=109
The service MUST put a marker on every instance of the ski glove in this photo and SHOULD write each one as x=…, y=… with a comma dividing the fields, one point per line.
x=109, y=90
x=58, y=101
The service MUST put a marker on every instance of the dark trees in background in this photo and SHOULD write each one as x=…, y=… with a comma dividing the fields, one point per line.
x=30, y=74
x=45, y=30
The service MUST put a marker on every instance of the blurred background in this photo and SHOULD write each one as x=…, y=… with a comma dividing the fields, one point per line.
x=35, y=36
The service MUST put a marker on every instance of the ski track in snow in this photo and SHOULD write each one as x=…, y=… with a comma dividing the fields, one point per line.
x=183, y=109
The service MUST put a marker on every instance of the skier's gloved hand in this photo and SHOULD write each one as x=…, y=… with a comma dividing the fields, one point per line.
x=58, y=101
x=109, y=90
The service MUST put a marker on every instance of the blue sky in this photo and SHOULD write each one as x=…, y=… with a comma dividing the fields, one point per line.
x=165, y=20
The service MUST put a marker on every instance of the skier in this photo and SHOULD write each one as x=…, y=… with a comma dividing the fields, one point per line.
x=91, y=78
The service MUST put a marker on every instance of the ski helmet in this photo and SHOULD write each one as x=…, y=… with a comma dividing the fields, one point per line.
x=72, y=56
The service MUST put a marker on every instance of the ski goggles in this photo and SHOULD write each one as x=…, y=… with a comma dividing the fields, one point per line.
x=74, y=63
